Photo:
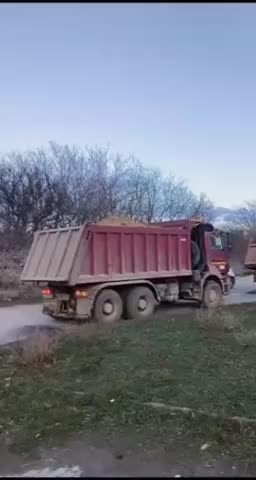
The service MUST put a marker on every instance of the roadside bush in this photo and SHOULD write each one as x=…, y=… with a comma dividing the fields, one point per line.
x=11, y=265
x=37, y=351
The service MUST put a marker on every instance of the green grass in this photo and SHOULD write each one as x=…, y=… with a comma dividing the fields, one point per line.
x=100, y=382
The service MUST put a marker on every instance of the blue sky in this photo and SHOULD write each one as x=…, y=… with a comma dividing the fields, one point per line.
x=173, y=84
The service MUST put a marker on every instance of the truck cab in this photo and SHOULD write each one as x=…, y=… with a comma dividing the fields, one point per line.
x=217, y=251
x=219, y=245
x=209, y=254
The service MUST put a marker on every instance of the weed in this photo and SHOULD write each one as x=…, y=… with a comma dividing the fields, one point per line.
x=39, y=350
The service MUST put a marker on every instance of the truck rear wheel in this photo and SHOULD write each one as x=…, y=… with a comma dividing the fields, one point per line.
x=140, y=303
x=108, y=307
x=212, y=295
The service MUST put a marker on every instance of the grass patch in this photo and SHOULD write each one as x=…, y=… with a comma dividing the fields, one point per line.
x=100, y=382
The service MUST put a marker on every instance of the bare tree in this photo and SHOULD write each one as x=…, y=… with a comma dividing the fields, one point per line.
x=62, y=185
x=201, y=207
x=245, y=217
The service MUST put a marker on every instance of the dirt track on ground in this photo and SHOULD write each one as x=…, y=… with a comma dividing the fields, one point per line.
x=120, y=457
x=15, y=319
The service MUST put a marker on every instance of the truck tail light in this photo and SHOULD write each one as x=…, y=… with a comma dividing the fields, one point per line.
x=47, y=293
x=81, y=294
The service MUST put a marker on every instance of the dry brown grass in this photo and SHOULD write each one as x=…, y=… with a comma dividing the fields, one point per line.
x=38, y=351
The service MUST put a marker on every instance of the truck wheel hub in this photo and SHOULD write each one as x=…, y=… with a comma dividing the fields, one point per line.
x=142, y=304
x=108, y=308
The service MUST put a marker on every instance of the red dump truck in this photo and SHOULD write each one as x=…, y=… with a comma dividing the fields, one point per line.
x=107, y=272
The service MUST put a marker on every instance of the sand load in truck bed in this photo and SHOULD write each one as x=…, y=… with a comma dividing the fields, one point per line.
x=117, y=220
x=102, y=253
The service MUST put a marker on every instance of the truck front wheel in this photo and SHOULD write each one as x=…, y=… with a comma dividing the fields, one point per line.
x=108, y=307
x=212, y=295
x=140, y=303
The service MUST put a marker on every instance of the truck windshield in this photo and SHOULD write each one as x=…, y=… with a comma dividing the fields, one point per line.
x=216, y=242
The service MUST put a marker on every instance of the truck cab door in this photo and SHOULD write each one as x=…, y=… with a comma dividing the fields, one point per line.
x=217, y=252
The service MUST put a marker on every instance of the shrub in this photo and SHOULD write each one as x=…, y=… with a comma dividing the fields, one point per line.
x=11, y=265
x=38, y=351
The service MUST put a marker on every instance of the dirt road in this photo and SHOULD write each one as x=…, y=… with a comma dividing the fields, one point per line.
x=14, y=320
x=119, y=457
x=243, y=292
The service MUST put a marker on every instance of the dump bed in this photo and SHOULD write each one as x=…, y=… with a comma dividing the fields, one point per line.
x=100, y=253
x=52, y=255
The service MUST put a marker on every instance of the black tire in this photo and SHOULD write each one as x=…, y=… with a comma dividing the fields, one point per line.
x=231, y=282
x=108, y=307
x=140, y=303
x=124, y=300
x=195, y=254
x=212, y=295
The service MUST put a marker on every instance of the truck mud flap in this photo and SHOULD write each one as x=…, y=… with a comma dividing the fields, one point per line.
x=226, y=288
